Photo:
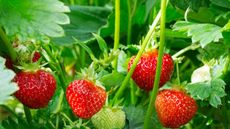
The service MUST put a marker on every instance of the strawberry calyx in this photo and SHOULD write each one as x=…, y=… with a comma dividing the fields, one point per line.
x=179, y=88
x=90, y=75
x=29, y=67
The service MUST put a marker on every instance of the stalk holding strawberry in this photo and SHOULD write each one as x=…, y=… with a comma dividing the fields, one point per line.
x=35, y=88
x=174, y=108
x=85, y=98
x=144, y=73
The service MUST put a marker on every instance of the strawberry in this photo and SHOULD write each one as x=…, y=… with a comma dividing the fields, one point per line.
x=109, y=118
x=35, y=88
x=144, y=73
x=174, y=108
x=85, y=98
x=36, y=56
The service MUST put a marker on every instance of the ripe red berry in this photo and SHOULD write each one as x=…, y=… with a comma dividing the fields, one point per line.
x=36, y=56
x=144, y=73
x=174, y=108
x=35, y=88
x=85, y=98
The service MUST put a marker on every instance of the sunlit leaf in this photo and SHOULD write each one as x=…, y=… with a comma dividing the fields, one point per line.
x=29, y=19
x=211, y=91
x=6, y=86
x=204, y=33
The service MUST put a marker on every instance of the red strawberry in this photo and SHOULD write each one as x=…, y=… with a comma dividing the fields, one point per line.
x=174, y=108
x=36, y=56
x=85, y=98
x=144, y=73
x=35, y=88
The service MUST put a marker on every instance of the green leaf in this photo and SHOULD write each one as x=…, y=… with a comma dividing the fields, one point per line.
x=211, y=91
x=218, y=87
x=215, y=100
x=30, y=19
x=226, y=36
x=102, y=44
x=1, y=127
x=136, y=121
x=222, y=3
x=193, y=4
x=7, y=87
x=87, y=49
x=122, y=62
x=112, y=79
x=218, y=91
x=204, y=33
x=172, y=14
x=85, y=20
x=199, y=90
x=143, y=10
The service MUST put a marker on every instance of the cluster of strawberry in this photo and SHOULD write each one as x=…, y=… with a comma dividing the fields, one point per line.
x=174, y=107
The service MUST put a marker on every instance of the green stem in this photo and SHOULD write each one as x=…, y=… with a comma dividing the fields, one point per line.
x=145, y=42
x=8, y=45
x=58, y=67
x=129, y=23
x=82, y=59
x=132, y=93
x=178, y=73
x=57, y=122
x=28, y=115
x=67, y=118
x=158, y=69
x=182, y=51
x=117, y=30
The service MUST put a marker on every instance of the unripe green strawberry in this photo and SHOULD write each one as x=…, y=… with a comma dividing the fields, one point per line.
x=174, y=108
x=144, y=73
x=109, y=118
x=85, y=98
x=35, y=88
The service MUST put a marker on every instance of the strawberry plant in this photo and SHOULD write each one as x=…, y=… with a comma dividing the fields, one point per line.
x=105, y=64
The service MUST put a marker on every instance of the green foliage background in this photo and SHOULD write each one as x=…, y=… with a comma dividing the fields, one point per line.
x=74, y=33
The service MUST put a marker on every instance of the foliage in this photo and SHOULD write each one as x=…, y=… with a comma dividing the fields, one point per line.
x=7, y=87
x=72, y=35
x=32, y=24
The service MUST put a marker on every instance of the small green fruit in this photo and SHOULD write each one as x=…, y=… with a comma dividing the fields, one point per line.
x=109, y=118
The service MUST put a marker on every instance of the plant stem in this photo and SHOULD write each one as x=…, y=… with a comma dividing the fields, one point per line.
x=28, y=115
x=129, y=23
x=117, y=30
x=182, y=51
x=8, y=45
x=132, y=92
x=145, y=42
x=57, y=122
x=82, y=59
x=67, y=118
x=58, y=67
x=158, y=69
x=178, y=73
